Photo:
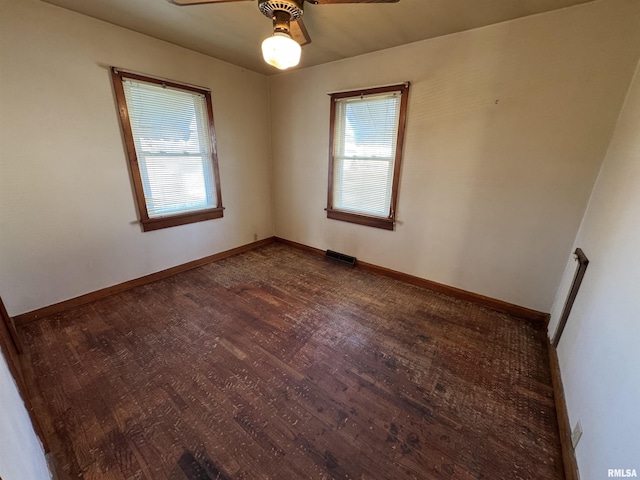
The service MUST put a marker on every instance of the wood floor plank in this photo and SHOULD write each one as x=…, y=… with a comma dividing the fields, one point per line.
x=275, y=364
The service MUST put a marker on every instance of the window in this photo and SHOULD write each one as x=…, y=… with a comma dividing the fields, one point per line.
x=170, y=141
x=367, y=134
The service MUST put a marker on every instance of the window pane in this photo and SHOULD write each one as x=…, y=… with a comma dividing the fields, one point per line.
x=369, y=126
x=174, y=184
x=171, y=136
x=365, y=136
x=364, y=185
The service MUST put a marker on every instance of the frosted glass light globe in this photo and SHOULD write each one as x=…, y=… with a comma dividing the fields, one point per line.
x=281, y=51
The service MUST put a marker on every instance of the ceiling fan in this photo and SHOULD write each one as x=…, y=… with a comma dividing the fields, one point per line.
x=283, y=48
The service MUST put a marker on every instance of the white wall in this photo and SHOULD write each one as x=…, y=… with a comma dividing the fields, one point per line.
x=506, y=131
x=599, y=351
x=21, y=454
x=67, y=213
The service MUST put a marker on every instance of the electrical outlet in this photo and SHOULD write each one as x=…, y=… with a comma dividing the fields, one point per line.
x=576, y=434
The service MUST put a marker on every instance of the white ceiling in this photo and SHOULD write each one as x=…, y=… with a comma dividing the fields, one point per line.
x=234, y=31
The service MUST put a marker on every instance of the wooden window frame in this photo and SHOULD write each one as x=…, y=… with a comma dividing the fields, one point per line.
x=581, y=269
x=388, y=222
x=183, y=218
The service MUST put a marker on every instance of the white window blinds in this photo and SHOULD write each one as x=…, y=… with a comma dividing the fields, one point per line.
x=365, y=137
x=173, y=145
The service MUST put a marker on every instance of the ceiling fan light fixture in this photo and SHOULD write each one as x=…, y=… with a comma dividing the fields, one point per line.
x=281, y=51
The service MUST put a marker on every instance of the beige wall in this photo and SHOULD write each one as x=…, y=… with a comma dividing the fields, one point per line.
x=507, y=128
x=67, y=214
x=599, y=351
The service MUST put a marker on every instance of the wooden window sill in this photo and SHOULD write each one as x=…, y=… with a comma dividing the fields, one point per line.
x=367, y=220
x=180, y=219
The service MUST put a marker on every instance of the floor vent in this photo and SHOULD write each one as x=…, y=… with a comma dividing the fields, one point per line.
x=341, y=258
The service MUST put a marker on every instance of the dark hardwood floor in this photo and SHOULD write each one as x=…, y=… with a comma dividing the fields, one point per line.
x=278, y=364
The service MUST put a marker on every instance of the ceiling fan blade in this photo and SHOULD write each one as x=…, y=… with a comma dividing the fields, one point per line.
x=326, y=2
x=184, y=3
x=299, y=32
